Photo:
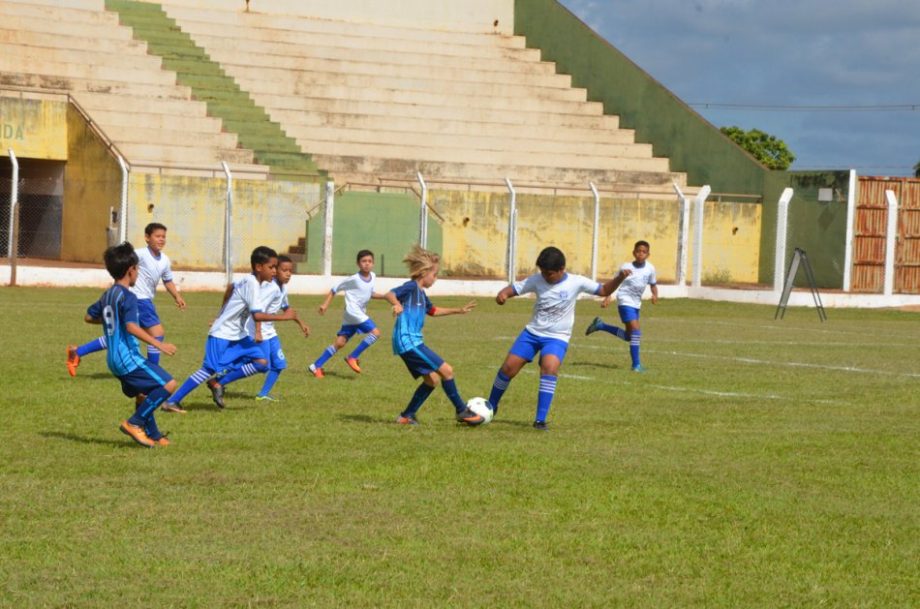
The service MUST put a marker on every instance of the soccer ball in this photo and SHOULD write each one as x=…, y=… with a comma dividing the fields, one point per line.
x=481, y=407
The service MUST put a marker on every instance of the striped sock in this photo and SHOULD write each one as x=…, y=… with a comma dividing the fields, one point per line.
x=92, y=346
x=498, y=389
x=635, y=338
x=545, y=396
x=242, y=372
x=153, y=354
x=329, y=352
x=197, y=378
x=369, y=340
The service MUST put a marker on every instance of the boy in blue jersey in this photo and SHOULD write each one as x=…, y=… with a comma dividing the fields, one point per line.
x=635, y=276
x=410, y=306
x=230, y=352
x=117, y=310
x=153, y=266
x=358, y=290
x=549, y=329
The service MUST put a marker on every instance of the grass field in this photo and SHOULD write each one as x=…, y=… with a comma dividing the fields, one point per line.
x=756, y=464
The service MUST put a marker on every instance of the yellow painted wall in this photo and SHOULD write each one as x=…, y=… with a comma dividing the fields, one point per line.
x=271, y=213
x=476, y=226
x=33, y=128
x=92, y=188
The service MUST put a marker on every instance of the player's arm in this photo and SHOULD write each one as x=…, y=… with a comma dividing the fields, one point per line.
x=174, y=292
x=654, y=288
x=326, y=302
x=504, y=294
x=442, y=311
x=391, y=298
x=282, y=316
x=92, y=320
x=378, y=296
x=142, y=335
x=611, y=286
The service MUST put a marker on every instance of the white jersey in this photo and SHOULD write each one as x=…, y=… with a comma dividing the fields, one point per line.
x=358, y=292
x=554, y=310
x=273, y=299
x=150, y=270
x=629, y=294
x=243, y=302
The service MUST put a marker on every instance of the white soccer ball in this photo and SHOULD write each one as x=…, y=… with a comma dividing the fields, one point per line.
x=481, y=407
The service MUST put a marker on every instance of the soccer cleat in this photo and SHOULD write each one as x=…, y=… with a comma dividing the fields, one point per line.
x=317, y=372
x=266, y=398
x=540, y=426
x=217, y=393
x=137, y=434
x=594, y=326
x=170, y=407
x=638, y=368
x=469, y=417
x=407, y=420
x=162, y=441
x=73, y=360
x=353, y=364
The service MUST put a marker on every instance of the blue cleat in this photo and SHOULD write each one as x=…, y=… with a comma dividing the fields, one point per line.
x=594, y=326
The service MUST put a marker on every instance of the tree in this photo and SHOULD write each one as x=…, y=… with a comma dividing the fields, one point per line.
x=917, y=170
x=768, y=149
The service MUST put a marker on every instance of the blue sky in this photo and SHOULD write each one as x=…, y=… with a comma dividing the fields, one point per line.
x=785, y=53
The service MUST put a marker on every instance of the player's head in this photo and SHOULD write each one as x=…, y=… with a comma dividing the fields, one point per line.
x=285, y=269
x=551, y=263
x=264, y=262
x=365, y=260
x=119, y=259
x=155, y=236
x=423, y=265
x=641, y=251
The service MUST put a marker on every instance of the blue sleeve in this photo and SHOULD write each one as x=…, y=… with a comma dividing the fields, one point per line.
x=428, y=305
x=95, y=310
x=403, y=291
x=128, y=307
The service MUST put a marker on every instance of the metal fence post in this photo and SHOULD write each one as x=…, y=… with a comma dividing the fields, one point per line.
x=123, y=213
x=891, y=237
x=327, y=232
x=779, y=254
x=512, y=232
x=683, y=234
x=698, y=236
x=228, y=225
x=595, y=234
x=13, y=242
x=423, y=213
x=851, y=221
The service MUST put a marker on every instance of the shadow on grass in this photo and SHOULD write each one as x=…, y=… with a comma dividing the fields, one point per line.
x=593, y=365
x=362, y=418
x=72, y=437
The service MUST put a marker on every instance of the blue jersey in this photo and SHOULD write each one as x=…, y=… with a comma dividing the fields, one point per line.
x=117, y=307
x=407, y=333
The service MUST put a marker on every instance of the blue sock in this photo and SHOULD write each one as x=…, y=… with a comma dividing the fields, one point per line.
x=153, y=354
x=144, y=411
x=498, y=389
x=152, y=429
x=615, y=330
x=545, y=396
x=329, y=352
x=418, y=398
x=242, y=372
x=635, y=338
x=450, y=388
x=369, y=340
x=270, y=380
x=197, y=378
x=92, y=346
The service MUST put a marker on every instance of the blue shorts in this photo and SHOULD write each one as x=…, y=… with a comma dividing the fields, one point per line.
x=421, y=360
x=143, y=379
x=147, y=313
x=628, y=314
x=528, y=344
x=349, y=330
x=271, y=351
x=221, y=354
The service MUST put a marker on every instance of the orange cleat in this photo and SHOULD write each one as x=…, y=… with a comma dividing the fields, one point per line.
x=317, y=372
x=353, y=364
x=137, y=434
x=73, y=360
x=162, y=441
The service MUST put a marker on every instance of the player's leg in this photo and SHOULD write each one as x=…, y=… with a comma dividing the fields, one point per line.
x=635, y=340
x=341, y=338
x=597, y=325
x=213, y=349
x=74, y=353
x=159, y=333
x=522, y=351
x=372, y=334
x=150, y=403
x=149, y=320
x=550, y=360
x=408, y=416
x=276, y=364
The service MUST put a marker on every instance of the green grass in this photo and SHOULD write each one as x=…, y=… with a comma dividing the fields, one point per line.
x=757, y=464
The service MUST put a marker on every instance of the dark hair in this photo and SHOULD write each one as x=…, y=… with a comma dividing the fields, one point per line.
x=364, y=253
x=640, y=243
x=118, y=259
x=148, y=230
x=283, y=258
x=551, y=259
x=261, y=255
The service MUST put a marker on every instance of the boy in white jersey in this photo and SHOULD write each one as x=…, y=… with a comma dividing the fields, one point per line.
x=550, y=327
x=635, y=276
x=153, y=266
x=358, y=290
x=229, y=345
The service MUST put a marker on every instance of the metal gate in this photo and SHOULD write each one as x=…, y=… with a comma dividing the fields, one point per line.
x=870, y=233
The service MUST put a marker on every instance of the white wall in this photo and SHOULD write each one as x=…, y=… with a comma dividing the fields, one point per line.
x=462, y=15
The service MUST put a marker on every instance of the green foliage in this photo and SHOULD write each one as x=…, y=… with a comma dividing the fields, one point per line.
x=756, y=464
x=917, y=170
x=768, y=149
